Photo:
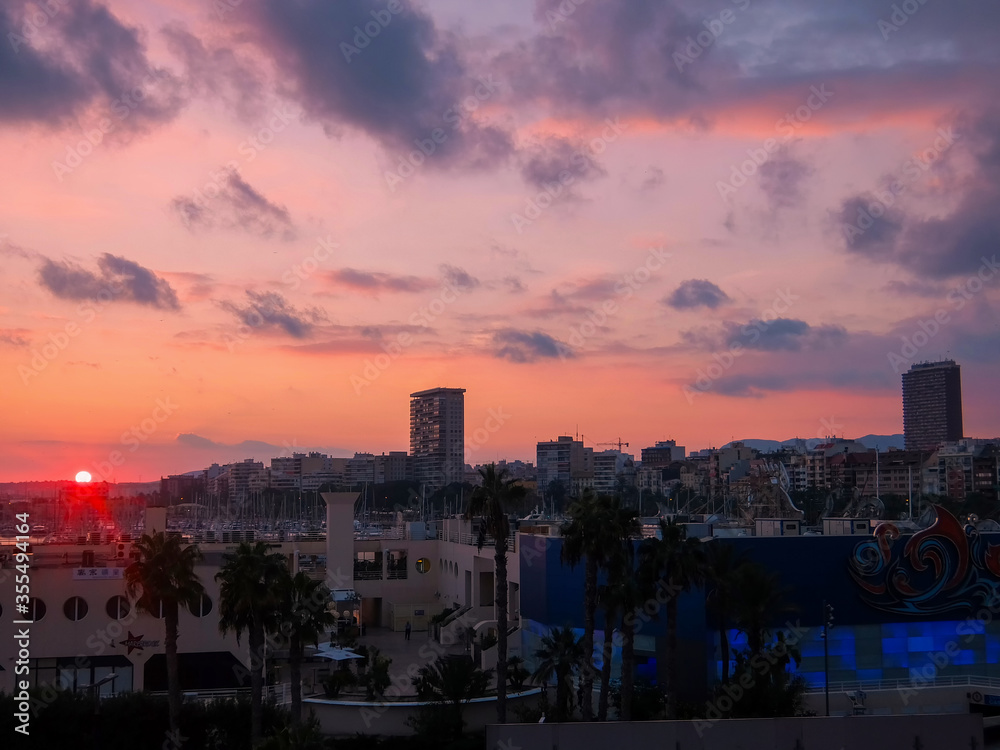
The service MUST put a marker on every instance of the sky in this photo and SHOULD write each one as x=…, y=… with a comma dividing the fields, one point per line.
x=243, y=228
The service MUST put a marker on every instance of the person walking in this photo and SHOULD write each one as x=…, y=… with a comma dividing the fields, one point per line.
x=406, y=631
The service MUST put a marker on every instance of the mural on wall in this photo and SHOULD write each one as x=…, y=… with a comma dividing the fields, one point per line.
x=946, y=568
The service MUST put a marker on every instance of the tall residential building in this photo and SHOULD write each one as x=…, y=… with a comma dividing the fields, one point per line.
x=932, y=405
x=563, y=460
x=437, y=436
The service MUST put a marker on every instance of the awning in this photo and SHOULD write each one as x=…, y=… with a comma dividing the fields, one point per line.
x=337, y=654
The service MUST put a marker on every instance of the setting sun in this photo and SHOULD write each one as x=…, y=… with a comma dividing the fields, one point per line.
x=83, y=476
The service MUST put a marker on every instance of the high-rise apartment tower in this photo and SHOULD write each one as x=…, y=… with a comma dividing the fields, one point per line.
x=437, y=436
x=932, y=404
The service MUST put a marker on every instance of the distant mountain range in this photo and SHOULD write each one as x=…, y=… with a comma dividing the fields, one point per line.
x=882, y=442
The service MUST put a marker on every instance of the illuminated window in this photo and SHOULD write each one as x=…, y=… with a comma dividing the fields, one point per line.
x=423, y=565
x=75, y=608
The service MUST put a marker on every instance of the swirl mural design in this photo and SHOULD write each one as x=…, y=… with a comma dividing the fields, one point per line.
x=945, y=568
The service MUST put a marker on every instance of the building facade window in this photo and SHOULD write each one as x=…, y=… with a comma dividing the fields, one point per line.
x=203, y=607
x=367, y=565
x=36, y=609
x=75, y=608
x=396, y=565
x=117, y=607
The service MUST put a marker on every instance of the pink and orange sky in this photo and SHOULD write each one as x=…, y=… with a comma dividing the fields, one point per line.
x=238, y=228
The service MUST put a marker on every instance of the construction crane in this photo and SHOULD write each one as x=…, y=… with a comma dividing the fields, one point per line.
x=618, y=442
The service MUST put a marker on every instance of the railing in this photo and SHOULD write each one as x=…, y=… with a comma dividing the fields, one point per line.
x=455, y=615
x=280, y=694
x=939, y=682
x=473, y=540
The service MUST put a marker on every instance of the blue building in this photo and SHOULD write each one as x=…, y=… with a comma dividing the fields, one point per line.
x=916, y=608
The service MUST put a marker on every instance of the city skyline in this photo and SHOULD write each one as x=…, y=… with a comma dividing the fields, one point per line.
x=644, y=220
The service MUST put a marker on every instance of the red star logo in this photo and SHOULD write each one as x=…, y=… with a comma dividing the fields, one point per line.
x=133, y=642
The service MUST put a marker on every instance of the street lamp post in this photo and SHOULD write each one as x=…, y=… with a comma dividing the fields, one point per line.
x=827, y=624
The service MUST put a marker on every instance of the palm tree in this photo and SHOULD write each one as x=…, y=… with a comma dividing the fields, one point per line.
x=759, y=602
x=452, y=681
x=248, y=598
x=608, y=597
x=560, y=655
x=679, y=561
x=631, y=592
x=162, y=581
x=589, y=535
x=303, y=606
x=492, y=502
x=623, y=525
x=723, y=568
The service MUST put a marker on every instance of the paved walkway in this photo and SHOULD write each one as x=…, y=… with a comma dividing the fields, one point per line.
x=407, y=656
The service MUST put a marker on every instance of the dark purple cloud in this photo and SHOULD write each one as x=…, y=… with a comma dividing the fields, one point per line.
x=118, y=279
x=696, y=293
x=390, y=73
x=59, y=59
x=235, y=204
x=270, y=310
x=376, y=281
x=886, y=226
x=527, y=346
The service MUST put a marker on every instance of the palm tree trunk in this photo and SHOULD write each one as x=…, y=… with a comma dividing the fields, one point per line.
x=606, y=653
x=628, y=669
x=724, y=648
x=589, y=608
x=501, y=602
x=295, y=669
x=173, y=670
x=672, y=667
x=564, y=685
x=256, y=640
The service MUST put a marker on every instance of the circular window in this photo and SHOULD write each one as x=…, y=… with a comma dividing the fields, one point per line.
x=36, y=609
x=423, y=565
x=203, y=607
x=118, y=607
x=75, y=608
x=156, y=608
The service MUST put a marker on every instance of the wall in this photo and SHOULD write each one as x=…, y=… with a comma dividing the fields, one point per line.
x=347, y=718
x=942, y=732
